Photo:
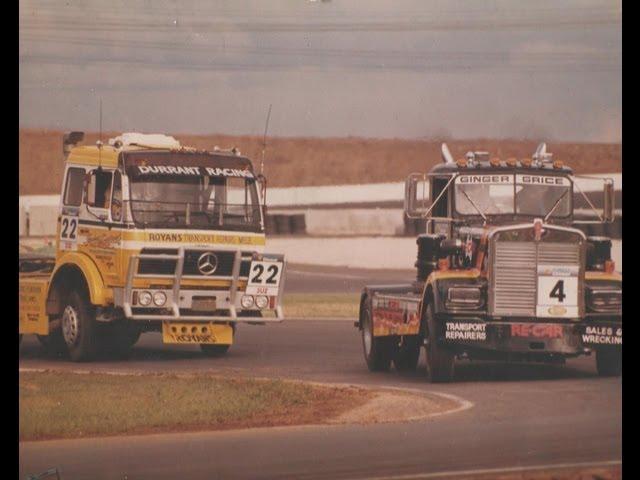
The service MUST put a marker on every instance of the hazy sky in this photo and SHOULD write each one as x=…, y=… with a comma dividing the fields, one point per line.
x=370, y=68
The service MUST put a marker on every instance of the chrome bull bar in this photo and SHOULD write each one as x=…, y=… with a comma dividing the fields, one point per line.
x=175, y=288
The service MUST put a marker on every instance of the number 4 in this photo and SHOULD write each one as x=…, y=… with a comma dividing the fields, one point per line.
x=558, y=291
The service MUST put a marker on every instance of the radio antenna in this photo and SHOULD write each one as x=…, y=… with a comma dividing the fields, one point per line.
x=99, y=143
x=264, y=140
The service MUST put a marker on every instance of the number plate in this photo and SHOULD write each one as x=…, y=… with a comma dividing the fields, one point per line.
x=68, y=232
x=264, y=278
x=557, y=292
x=203, y=332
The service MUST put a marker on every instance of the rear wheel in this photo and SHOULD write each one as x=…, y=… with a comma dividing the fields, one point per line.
x=377, y=350
x=440, y=361
x=609, y=362
x=78, y=327
x=407, y=354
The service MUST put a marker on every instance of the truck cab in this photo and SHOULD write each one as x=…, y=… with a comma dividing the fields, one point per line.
x=152, y=236
x=503, y=271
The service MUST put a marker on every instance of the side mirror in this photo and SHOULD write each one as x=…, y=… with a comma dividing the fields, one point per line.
x=416, y=196
x=609, y=200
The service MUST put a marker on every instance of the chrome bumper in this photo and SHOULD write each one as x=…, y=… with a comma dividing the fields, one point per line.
x=175, y=290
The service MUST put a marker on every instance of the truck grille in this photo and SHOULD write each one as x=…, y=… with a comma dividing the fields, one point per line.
x=514, y=278
x=167, y=267
x=514, y=272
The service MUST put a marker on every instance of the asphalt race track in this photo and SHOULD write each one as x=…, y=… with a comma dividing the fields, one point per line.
x=521, y=414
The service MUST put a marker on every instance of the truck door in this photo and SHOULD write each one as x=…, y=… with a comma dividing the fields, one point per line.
x=117, y=220
x=99, y=236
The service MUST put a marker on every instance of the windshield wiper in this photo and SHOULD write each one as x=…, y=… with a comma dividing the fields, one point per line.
x=474, y=205
x=556, y=204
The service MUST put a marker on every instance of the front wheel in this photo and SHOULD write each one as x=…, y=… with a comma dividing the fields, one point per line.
x=440, y=361
x=217, y=350
x=210, y=350
x=377, y=350
x=118, y=338
x=78, y=327
x=609, y=362
x=407, y=354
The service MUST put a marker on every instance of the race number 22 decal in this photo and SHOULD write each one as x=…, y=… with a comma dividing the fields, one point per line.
x=264, y=277
x=68, y=232
x=557, y=292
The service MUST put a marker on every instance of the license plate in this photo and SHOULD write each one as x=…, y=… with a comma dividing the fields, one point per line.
x=203, y=304
x=201, y=332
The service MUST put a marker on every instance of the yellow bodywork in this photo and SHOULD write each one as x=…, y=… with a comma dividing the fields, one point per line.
x=32, y=296
x=102, y=252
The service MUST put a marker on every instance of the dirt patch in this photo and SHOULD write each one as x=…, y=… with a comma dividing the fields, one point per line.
x=390, y=406
x=320, y=161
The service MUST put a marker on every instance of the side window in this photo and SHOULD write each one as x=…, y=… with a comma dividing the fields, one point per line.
x=99, y=189
x=73, y=187
x=441, y=209
x=116, y=198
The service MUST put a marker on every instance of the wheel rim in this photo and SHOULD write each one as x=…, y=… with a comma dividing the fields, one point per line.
x=367, y=334
x=70, y=325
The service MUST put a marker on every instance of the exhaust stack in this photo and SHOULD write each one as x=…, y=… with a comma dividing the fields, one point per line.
x=446, y=154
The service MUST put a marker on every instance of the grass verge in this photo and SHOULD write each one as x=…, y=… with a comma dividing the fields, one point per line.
x=336, y=305
x=67, y=405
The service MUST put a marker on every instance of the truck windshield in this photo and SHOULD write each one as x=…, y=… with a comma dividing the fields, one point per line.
x=202, y=202
x=508, y=194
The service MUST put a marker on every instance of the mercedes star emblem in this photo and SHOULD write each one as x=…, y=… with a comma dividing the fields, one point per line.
x=207, y=263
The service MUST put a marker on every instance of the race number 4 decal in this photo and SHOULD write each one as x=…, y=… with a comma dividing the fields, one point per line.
x=557, y=292
x=68, y=232
x=264, y=277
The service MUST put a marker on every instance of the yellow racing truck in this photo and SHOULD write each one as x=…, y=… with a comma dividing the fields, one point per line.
x=151, y=236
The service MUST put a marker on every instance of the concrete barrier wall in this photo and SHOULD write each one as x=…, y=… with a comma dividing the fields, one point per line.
x=354, y=222
x=42, y=220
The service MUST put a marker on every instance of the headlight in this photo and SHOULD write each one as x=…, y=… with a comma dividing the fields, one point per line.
x=246, y=301
x=144, y=298
x=159, y=298
x=604, y=301
x=464, y=297
x=262, y=301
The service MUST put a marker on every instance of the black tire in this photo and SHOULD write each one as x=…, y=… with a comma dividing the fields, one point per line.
x=212, y=350
x=53, y=344
x=609, y=362
x=407, y=354
x=440, y=361
x=377, y=350
x=78, y=327
x=117, y=338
